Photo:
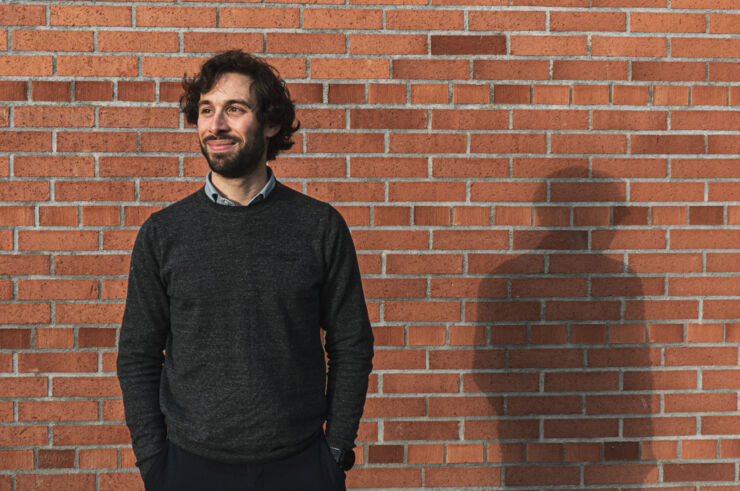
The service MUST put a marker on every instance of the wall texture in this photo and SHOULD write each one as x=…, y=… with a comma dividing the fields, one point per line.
x=545, y=196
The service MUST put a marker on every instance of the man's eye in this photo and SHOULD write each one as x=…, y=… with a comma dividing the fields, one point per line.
x=235, y=109
x=204, y=110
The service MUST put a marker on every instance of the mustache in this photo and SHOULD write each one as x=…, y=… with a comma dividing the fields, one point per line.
x=221, y=137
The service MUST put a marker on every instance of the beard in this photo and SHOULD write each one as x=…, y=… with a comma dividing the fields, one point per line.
x=240, y=164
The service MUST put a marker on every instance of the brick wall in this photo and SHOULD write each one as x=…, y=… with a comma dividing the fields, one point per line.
x=545, y=196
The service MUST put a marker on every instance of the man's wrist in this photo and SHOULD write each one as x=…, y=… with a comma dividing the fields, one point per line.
x=344, y=458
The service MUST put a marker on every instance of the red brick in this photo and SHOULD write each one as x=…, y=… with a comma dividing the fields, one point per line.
x=341, y=143
x=387, y=44
x=437, y=311
x=263, y=18
x=19, y=460
x=317, y=18
x=12, y=91
x=590, y=94
x=421, y=383
x=511, y=94
x=24, y=191
x=88, y=387
x=677, y=191
x=587, y=21
x=93, y=91
x=388, y=477
x=55, y=481
x=542, y=475
x=507, y=143
x=637, y=95
x=134, y=41
x=425, y=143
x=50, y=116
x=551, y=94
x=53, y=166
x=388, y=118
x=644, y=47
x=550, y=119
x=721, y=23
x=89, y=15
x=548, y=45
x=666, y=144
x=589, y=70
x=480, y=119
x=501, y=20
x=724, y=144
x=667, y=70
x=25, y=65
x=511, y=70
x=165, y=66
x=175, y=16
x=57, y=362
x=97, y=66
x=424, y=20
x=386, y=94
x=213, y=42
x=305, y=43
x=93, y=190
x=669, y=95
x=581, y=428
x=691, y=473
x=621, y=473
x=662, y=263
x=459, y=45
x=49, y=91
x=430, y=69
x=683, y=22
x=390, y=239
x=462, y=476
x=429, y=94
x=705, y=120
x=38, y=40
x=471, y=94
x=424, y=264
x=48, y=289
x=360, y=68
x=586, y=143
x=708, y=95
x=685, y=403
x=57, y=411
x=23, y=15
x=387, y=167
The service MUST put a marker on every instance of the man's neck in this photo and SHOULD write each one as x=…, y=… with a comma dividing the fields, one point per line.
x=241, y=189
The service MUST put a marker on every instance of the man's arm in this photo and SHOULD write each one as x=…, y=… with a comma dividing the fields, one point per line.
x=349, y=337
x=140, y=357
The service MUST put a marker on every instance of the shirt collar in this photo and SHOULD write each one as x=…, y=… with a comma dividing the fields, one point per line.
x=220, y=199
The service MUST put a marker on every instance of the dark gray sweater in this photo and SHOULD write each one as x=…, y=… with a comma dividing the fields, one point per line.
x=237, y=296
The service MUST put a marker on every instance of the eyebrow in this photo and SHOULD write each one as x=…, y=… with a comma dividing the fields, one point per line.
x=230, y=101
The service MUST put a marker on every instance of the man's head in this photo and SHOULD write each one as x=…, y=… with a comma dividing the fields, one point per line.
x=242, y=109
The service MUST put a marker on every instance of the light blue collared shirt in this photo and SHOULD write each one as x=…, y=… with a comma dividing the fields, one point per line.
x=220, y=199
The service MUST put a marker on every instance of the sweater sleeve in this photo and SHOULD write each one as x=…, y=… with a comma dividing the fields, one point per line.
x=140, y=348
x=349, y=337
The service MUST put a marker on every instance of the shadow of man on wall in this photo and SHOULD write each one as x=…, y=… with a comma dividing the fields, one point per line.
x=566, y=365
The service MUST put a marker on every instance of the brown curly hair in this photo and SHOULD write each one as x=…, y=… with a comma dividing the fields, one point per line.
x=274, y=107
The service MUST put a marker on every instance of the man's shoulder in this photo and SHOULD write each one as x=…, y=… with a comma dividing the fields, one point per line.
x=303, y=202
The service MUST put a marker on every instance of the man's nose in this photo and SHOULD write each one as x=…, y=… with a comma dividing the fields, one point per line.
x=218, y=122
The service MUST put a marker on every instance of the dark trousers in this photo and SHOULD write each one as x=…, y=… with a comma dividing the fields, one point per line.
x=314, y=469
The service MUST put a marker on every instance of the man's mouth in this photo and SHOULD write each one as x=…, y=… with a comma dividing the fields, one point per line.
x=221, y=145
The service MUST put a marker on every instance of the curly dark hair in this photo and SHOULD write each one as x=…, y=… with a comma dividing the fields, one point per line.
x=274, y=107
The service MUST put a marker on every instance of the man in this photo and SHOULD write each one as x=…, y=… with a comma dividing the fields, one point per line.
x=234, y=283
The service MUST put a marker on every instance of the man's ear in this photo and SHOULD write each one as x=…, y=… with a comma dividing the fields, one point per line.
x=271, y=131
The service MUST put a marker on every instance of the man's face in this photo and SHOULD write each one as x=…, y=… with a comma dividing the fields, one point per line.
x=231, y=137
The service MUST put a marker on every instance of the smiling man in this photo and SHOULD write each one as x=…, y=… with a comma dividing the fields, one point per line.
x=221, y=360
